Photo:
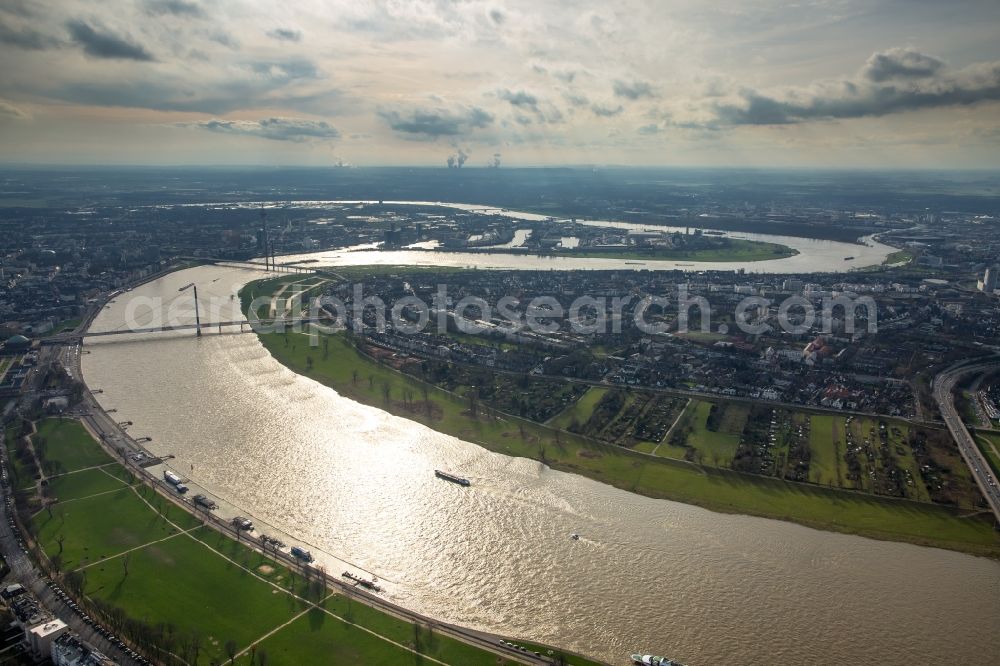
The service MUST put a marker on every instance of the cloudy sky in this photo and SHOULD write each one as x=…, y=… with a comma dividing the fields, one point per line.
x=841, y=83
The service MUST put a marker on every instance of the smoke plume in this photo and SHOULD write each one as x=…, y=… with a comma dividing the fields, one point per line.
x=457, y=161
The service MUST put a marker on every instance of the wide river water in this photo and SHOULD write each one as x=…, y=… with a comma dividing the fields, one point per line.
x=356, y=486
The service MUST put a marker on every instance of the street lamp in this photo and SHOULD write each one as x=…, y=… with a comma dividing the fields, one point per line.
x=197, y=317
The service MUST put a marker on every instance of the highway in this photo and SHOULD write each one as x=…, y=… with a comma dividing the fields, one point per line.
x=974, y=458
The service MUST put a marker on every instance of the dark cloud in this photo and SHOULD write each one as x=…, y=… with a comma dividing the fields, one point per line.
x=649, y=129
x=866, y=97
x=633, y=89
x=577, y=100
x=103, y=44
x=275, y=129
x=285, y=35
x=760, y=110
x=434, y=123
x=225, y=39
x=287, y=70
x=520, y=99
x=212, y=98
x=174, y=8
x=566, y=76
x=497, y=16
x=606, y=111
x=900, y=64
x=545, y=112
x=26, y=38
x=145, y=95
x=18, y=8
x=254, y=85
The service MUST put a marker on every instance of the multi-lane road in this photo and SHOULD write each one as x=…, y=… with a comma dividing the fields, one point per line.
x=944, y=383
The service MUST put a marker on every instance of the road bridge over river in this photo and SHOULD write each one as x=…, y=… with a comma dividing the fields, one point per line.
x=242, y=326
x=241, y=263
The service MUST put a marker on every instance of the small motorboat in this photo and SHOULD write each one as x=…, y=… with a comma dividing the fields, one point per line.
x=650, y=660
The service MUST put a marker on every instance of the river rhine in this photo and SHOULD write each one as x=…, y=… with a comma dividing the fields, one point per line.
x=356, y=484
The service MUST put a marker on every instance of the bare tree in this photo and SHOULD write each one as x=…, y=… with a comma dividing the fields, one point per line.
x=473, y=395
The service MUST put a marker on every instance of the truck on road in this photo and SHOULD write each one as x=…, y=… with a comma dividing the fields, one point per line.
x=302, y=554
x=202, y=501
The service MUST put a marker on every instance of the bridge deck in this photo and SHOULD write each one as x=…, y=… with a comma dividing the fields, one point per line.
x=245, y=327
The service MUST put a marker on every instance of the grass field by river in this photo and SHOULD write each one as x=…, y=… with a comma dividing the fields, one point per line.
x=898, y=258
x=717, y=445
x=67, y=446
x=361, y=378
x=580, y=410
x=82, y=484
x=136, y=551
x=827, y=450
